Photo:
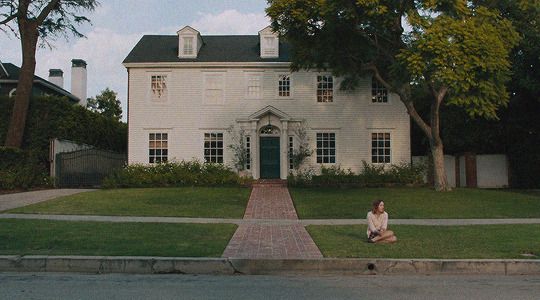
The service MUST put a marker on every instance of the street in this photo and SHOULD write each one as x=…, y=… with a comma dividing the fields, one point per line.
x=120, y=286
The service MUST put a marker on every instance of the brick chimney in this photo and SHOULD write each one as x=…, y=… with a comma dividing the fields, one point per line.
x=78, y=80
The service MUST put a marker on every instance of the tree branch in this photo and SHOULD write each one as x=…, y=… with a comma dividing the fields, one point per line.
x=46, y=11
x=8, y=19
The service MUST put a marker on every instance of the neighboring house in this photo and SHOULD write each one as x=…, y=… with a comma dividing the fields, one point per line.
x=9, y=77
x=185, y=90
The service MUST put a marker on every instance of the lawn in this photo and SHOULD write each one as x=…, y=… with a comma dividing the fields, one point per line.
x=414, y=203
x=39, y=237
x=465, y=242
x=209, y=202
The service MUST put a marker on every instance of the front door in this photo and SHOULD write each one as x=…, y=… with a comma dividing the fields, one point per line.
x=269, y=157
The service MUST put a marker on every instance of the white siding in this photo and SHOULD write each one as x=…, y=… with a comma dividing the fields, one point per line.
x=185, y=117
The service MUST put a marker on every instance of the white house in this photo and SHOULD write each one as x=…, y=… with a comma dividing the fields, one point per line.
x=186, y=90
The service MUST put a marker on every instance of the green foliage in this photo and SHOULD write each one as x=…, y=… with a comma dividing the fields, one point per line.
x=370, y=176
x=459, y=51
x=18, y=170
x=303, y=151
x=52, y=117
x=184, y=173
x=51, y=21
x=106, y=104
x=240, y=152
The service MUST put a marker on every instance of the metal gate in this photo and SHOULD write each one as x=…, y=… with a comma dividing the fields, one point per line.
x=86, y=168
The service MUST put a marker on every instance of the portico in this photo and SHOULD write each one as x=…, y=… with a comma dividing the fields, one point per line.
x=268, y=129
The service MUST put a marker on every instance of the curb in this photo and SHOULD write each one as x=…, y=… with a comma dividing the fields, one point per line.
x=230, y=266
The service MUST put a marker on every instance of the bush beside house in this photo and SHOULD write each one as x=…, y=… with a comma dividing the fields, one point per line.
x=175, y=174
x=371, y=176
x=52, y=117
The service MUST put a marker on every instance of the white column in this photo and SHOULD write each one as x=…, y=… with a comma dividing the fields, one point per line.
x=254, y=151
x=284, y=158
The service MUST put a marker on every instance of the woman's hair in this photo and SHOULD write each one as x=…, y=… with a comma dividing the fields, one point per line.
x=375, y=205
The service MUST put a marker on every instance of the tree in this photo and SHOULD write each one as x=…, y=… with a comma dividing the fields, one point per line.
x=106, y=104
x=36, y=20
x=457, y=49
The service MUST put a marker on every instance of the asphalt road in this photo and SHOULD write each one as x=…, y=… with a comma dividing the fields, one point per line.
x=117, y=286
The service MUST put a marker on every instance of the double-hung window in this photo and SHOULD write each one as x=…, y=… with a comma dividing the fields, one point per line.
x=214, y=84
x=379, y=94
x=253, y=85
x=158, y=86
x=326, y=148
x=213, y=147
x=188, y=46
x=157, y=147
x=284, y=85
x=380, y=147
x=325, y=88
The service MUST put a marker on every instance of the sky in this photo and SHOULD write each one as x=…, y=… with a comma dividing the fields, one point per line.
x=118, y=25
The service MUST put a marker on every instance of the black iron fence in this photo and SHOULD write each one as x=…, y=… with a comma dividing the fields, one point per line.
x=86, y=168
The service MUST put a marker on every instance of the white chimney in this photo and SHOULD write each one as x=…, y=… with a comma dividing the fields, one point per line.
x=56, y=76
x=78, y=80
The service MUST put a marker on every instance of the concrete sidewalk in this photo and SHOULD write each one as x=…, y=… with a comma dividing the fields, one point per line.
x=303, y=222
x=10, y=201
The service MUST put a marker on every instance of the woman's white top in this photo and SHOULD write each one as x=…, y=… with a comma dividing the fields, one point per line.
x=376, y=222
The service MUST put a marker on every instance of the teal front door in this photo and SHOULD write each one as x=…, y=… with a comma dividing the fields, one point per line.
x=269, y=157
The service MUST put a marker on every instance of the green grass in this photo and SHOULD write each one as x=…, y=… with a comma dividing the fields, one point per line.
x=209, y=202
x=465, y=242
x=39, y=237
x=414, y=203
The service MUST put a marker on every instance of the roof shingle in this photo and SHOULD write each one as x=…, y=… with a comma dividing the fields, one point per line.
x=216, y=48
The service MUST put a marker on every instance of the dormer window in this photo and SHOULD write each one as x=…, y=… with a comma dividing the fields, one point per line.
x=269, y=42
x=189, y=42
x=269, y=47
x=188, y=46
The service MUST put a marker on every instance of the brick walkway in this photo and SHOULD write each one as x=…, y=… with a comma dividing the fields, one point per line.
x=268, y=201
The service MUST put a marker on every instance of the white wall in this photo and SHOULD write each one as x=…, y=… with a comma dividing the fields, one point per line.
x=492, y=171
x=449, y=167
x=185, y=117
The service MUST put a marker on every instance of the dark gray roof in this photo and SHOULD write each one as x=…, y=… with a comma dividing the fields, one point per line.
x=216, y=48
x=14, y=73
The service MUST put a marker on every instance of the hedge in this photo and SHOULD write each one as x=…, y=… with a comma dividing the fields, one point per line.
x=52, y=117
x=370, y=176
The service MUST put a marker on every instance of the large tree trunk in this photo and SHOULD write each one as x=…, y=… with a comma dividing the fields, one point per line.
x=431, y=131
x=439, y=175
x=17, y=123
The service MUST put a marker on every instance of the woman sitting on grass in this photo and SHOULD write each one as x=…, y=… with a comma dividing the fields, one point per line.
x=377, y=220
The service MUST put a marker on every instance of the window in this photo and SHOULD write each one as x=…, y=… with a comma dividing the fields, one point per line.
x=213, y=148
x=326, y=148
x=248, y=153
x=380, y=148
x=253, y=86
x=159, y=86
x=157, y=147
x=379, y=94
x=284, y=86
x=325, y=88
x=269, y=46
x=291, y=152
x=188, y=46
x=213, y=88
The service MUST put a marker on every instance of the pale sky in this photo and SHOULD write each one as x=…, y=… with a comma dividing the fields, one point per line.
x=118, y=25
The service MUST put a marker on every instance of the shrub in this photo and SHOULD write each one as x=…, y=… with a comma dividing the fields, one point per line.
x=184, y=173
x=371, y=176
x=21, y=170
x=53, y=117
